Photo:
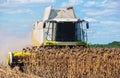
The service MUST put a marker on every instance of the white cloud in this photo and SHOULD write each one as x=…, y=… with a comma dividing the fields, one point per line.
x=105, y=8
x=23, y=2
x=110, y=23
x=102, y=12
x=91, y=19
x=104, y=4
x=42, y=1
x=106, y=24
x=90, y=3
x=71, y=3
x=16, y=11
x=104, y=35
x=29, y=1
x=109, y=4
x=104, y=20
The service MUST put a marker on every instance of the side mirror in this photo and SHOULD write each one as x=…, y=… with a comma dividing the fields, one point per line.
x=87, y=25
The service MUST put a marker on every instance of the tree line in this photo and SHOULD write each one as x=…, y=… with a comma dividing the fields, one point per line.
x=114, y=44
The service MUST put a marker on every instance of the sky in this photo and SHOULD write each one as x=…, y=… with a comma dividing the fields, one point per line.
x=17, y=17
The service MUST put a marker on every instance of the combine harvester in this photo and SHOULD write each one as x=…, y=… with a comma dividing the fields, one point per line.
x=58, y=28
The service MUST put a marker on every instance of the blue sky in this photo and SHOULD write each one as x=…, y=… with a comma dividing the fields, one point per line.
x=17, y=17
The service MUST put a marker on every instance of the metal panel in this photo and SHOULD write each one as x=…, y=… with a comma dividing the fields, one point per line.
x=47, y=13
x=37, y=37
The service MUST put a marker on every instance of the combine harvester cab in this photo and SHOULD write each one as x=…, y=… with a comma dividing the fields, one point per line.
x=60, y=28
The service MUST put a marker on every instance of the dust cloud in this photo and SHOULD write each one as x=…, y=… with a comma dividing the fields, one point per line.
x=12, y=42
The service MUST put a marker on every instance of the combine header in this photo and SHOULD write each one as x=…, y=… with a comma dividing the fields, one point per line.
x=58, y=28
